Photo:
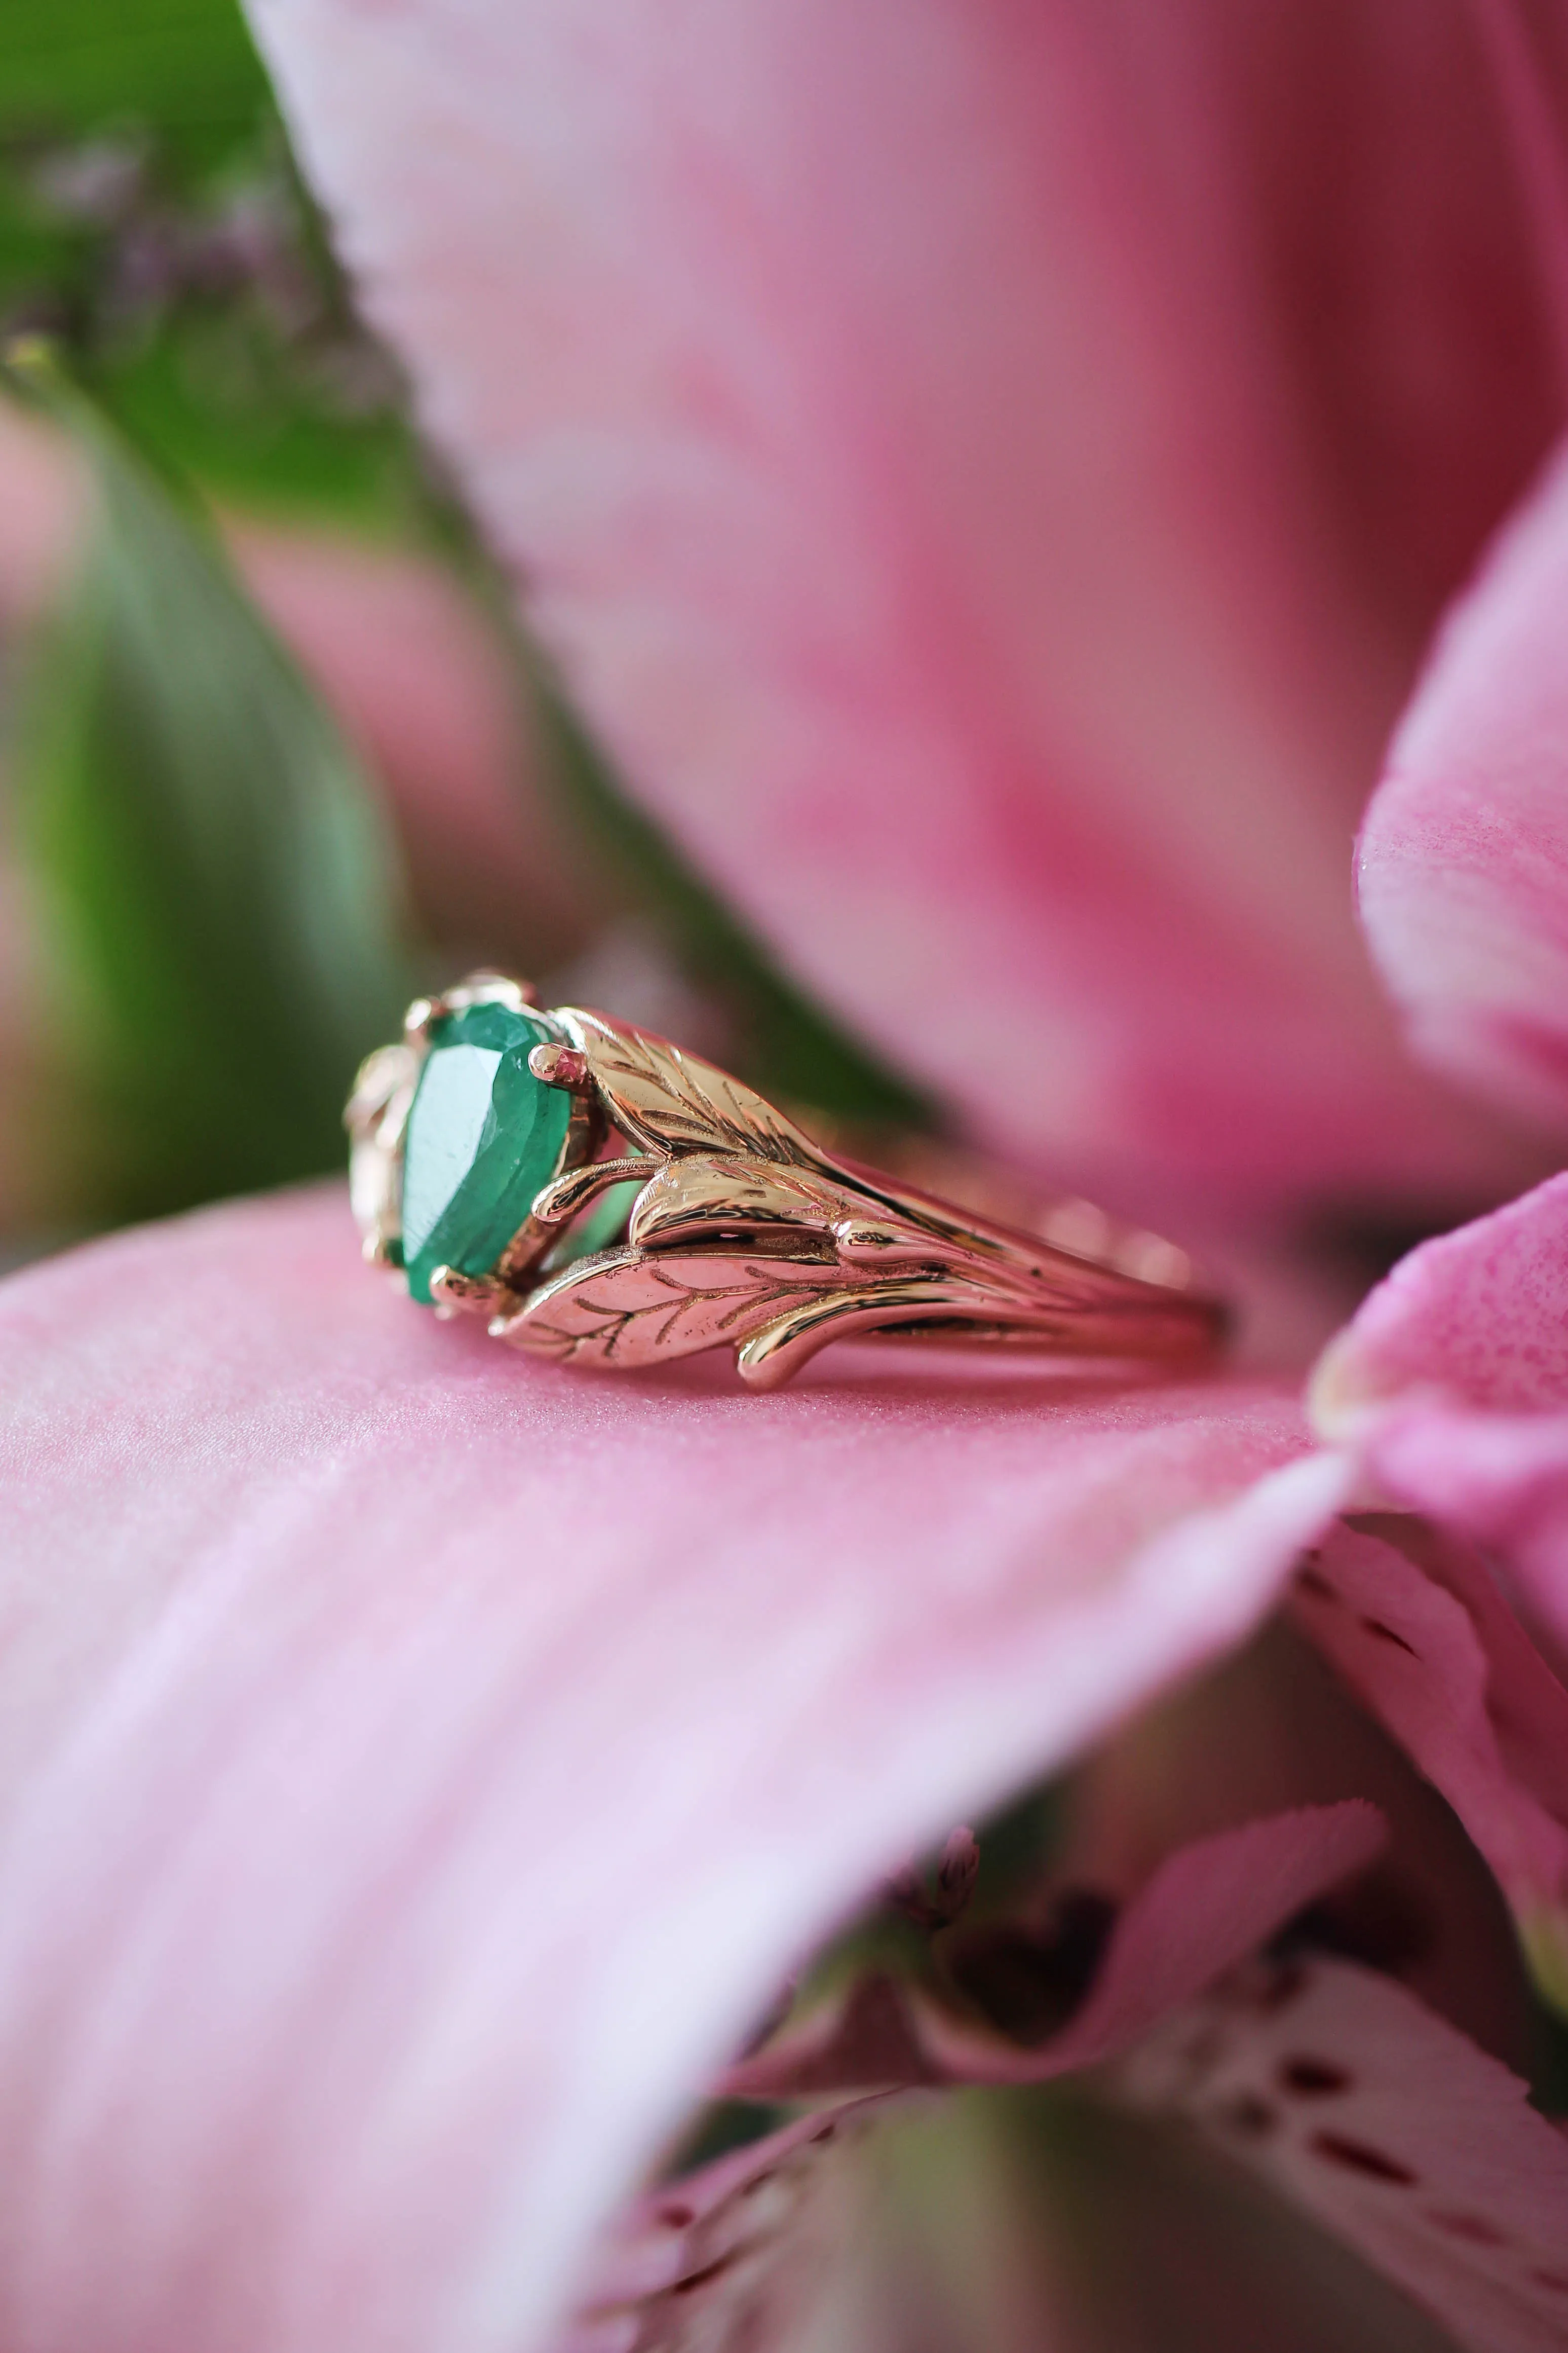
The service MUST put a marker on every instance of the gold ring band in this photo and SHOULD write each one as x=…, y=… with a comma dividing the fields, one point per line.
x=604, y=1198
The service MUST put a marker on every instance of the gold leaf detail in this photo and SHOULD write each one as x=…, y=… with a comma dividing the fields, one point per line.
x=699, y=1196
x=774, y=1351
x=668, y=1101
x=375, y=1118
x=382, y=1077
x=630, y=1307
x=561, y=1200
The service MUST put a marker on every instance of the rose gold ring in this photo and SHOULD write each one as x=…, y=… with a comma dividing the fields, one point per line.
x=602, y=1197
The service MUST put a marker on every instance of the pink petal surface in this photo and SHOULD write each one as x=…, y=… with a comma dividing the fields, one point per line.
x=877, y=400
x=696, y=2261
x=1452, y=1383
x=1432, y=1650
x=1205, y=1909
x=1388, y=2127
x=718, y=2259
x=1480, y=1315
x=422, y=1764
x=1463, y=864
x=425, y=685
x=1500, y=1479
x=1276, y=1726
x=1404, y=167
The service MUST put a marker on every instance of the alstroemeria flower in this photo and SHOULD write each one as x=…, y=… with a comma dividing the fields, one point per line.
x=1454, y=1378
x=988, y=473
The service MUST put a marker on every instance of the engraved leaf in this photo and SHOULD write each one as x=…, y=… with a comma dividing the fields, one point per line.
x=628, y=1308
x=382, y=1077
x=668, y=1101
x=375, y=1116
x=699, y=1194
x=773, y=1353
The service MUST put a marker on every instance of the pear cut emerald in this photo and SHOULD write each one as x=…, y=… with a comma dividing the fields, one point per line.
x=484, y=1135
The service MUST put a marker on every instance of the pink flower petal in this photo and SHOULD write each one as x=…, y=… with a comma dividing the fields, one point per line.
x=724, y=2257
x=1429, y=1647
x=1463, y=863
x=1275, y=1726
x=1500, y=1479
x=1452, y=1382
x=1205, y=1909
x=880, y=402
x=421, y=1763
x=425, y=687
x=713, y=2247
x=1406, y=183
x=1388, y=2127
x=1480, y=1314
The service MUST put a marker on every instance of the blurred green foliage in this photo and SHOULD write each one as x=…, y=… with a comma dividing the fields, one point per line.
x=225, y=899
x=81, y=66
x=229, y=931
x=152, y=223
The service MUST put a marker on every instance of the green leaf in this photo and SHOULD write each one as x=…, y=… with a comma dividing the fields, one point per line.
x=224, y=892
x=151, y=220
x=230, y=404
x=186, y=68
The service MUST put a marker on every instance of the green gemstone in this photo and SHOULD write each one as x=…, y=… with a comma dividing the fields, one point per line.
x=484, y=1135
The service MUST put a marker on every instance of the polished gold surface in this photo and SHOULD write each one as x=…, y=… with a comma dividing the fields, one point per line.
x=747, y=1234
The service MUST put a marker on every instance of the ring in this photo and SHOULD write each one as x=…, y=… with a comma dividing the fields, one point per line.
x=605, y=1199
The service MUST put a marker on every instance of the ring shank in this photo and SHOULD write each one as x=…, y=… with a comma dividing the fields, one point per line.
x=1130, y=1297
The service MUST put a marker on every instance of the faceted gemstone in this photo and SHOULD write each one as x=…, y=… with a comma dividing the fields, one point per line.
x=484, y=1135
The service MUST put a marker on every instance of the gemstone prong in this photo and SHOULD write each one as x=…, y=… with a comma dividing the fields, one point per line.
x=453, y=1294
x=560, y=1066
x=486, y=987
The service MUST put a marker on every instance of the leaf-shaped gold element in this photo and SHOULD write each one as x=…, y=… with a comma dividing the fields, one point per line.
x=699, y=1197
x=668, y=1101
x=566, y=1194
x=375, y=1116
x=773, y=1353
x=871, y=1244
x=381, y=1078
x=972, y=1307
x=630, y=1307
